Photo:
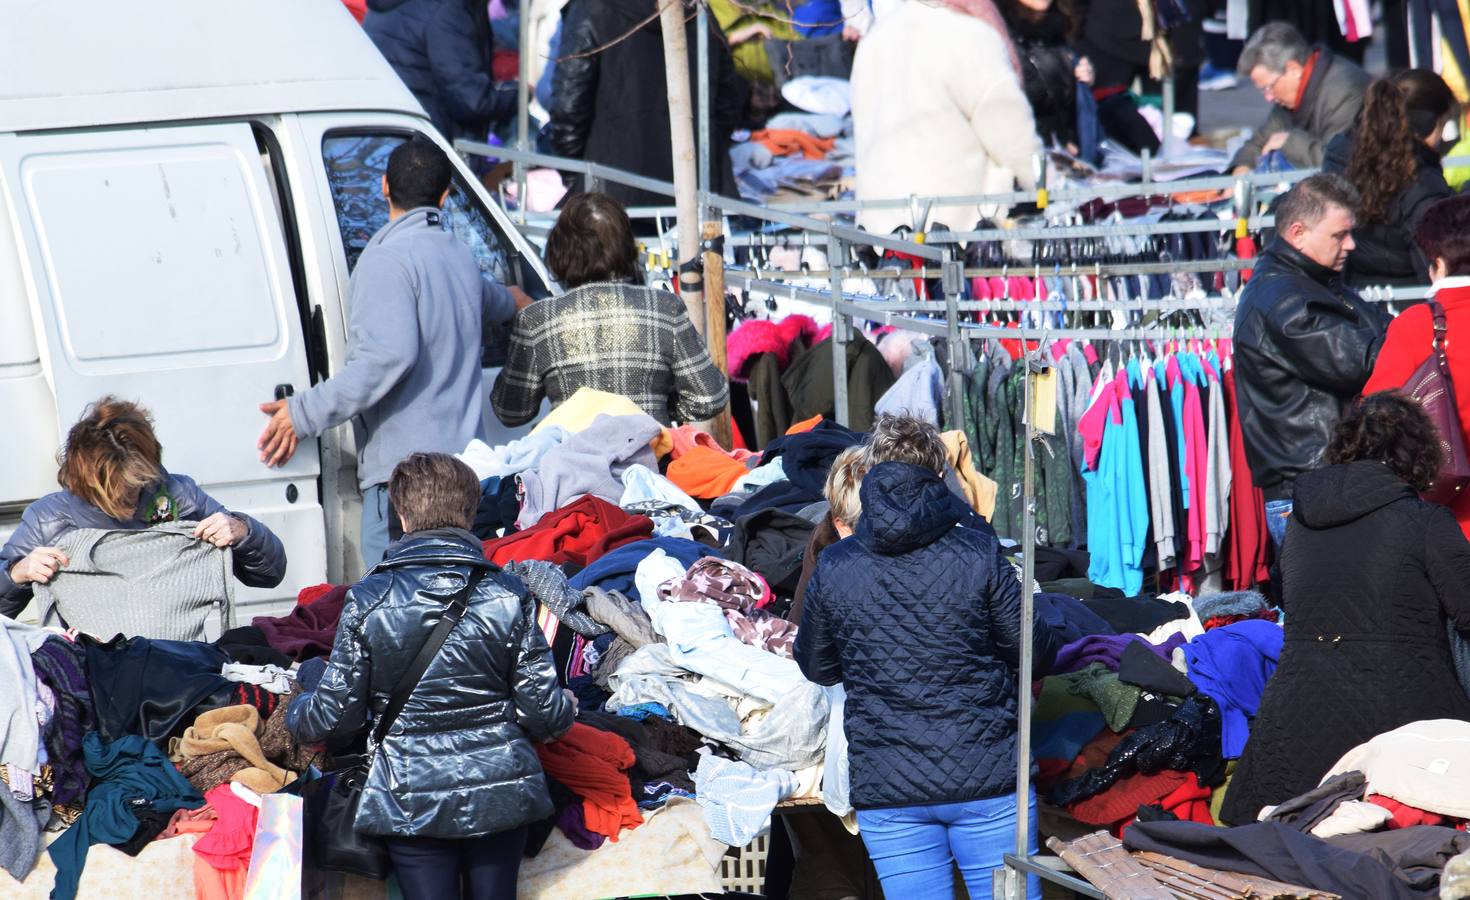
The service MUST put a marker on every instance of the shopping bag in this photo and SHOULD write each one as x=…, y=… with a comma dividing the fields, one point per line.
x=276, y=861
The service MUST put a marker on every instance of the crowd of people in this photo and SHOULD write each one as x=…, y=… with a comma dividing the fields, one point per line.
x=856, y=568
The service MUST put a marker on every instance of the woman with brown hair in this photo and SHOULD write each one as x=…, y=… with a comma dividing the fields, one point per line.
x=1392, y=157
x=608, y=331
x=112, y=477
x=1369, y=575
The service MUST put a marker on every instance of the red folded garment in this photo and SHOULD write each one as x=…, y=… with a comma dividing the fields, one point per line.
x=593, y=764
x=1120, y=802
x=580, y=532
x=1404, y=816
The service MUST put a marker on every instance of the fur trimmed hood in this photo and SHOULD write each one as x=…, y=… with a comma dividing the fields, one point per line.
x=758, y=336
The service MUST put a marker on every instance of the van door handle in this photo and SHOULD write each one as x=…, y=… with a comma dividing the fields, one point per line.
x=284, y=390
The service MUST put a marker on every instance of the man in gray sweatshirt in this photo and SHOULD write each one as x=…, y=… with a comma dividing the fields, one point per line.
x=411, y=381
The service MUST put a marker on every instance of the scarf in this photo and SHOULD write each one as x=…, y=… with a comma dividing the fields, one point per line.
x=985, y=11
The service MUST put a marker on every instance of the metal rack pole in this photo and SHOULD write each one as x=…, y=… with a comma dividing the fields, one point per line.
x=1017, y=883
x=703, y=136
x=840, y=326
x=523, y=107
x=952, y=285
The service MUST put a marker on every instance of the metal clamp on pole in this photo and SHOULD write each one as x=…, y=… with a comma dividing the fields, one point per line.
x=1245, y=191
x=1038, y=168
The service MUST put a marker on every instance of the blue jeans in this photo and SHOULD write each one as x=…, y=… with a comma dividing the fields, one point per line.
x=374, y=539
x=914, y=848
x=1278, y=514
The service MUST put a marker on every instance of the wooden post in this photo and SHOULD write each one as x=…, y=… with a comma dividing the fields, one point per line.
x=714, y=330
x=681, y=132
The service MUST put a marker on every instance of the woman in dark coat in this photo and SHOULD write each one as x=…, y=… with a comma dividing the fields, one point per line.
x=1393, y=158
x=919, y=620
x=610, y=100
x=1370, y=574
x=456, y=780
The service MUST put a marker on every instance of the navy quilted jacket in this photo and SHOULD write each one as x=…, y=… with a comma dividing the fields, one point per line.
x=919, y=619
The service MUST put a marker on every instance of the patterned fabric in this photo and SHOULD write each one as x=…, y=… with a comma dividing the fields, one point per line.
x=739, y=592
x=549, y=586
x=627, y=340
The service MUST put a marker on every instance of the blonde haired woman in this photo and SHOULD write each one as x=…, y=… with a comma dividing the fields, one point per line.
x=112, y=477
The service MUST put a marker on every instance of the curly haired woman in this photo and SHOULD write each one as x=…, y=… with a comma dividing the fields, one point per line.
x=1369, y=574
x=1392, y=157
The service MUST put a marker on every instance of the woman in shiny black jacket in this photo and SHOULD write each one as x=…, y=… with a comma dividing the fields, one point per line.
x=919, y=618
x=456, y=780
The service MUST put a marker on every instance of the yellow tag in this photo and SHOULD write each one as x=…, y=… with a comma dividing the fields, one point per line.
x=1044, y=401
x=1041, y=198
x=1242, y=228
x=919, y=238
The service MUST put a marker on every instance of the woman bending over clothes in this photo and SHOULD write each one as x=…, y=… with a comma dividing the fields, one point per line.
x=112, y=478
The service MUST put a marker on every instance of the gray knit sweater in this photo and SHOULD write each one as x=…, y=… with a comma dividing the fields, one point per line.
x=158, y=583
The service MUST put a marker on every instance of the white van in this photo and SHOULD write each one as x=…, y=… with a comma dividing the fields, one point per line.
x=185, y=186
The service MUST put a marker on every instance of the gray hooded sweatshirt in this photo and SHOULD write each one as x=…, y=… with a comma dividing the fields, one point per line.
x=412, y=380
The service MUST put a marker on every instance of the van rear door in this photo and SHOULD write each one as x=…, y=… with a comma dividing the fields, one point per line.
x=158, y=272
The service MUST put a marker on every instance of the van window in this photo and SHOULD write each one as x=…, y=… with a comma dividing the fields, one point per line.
x=356, y=163
x=155, y=255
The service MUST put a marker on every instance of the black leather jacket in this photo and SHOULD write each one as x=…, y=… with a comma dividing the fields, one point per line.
x=1304, y=347
x=459, y=761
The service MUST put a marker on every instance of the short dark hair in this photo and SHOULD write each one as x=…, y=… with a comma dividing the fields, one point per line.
x=1391, y=428
x=592, y=240
x=418, y=174
x=1443, y=233
x=434, y=490
x=905, y=439
x=1308, y=202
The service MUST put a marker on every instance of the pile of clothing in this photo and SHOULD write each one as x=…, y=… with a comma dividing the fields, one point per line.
x=1388, y=821
x=124, y=742
x=1143, y=719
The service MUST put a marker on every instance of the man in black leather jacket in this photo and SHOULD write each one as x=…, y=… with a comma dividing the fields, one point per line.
x=1304, y=343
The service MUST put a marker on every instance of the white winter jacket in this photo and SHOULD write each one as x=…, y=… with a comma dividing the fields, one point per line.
x=937, y=111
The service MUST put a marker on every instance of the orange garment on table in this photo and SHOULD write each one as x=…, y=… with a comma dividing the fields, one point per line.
x=687, y=437
x=805, y=425
x=704, y=473
x=783, y=141
x=593, y=764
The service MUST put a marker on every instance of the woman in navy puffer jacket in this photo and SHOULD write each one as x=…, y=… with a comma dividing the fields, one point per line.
x=919, y=618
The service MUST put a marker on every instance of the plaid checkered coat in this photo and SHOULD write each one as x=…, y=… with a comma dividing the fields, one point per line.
x=623, y=339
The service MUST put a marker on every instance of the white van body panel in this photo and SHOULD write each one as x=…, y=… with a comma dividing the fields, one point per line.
x=156, y=272
x=94, y=63
x=168, y=233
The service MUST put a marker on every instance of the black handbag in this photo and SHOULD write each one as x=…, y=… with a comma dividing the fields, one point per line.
x=331, y=802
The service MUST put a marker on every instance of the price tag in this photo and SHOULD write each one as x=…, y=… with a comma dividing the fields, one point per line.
x=1044, y=400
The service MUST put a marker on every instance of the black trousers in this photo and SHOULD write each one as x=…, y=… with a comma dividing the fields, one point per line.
x=482, y=868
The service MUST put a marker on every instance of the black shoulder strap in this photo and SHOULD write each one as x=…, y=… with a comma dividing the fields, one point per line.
x=453, y=612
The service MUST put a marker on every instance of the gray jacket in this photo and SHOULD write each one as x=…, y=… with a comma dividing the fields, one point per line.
x=1329, y=106
x=259, y=560
x=412, y=380
x=459, y=762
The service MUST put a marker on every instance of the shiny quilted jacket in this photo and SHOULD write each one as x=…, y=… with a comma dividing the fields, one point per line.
x=919, y=619
x=459, y=761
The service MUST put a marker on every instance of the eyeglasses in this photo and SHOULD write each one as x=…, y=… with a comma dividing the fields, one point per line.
x=1267, y=88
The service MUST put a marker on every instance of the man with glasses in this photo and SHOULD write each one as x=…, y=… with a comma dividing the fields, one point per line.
x=1316, y=95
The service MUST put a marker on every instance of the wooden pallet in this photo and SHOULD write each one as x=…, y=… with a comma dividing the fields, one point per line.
x=1106, y=863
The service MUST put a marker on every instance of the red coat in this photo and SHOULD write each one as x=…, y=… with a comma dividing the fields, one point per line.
x=1408, y=345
